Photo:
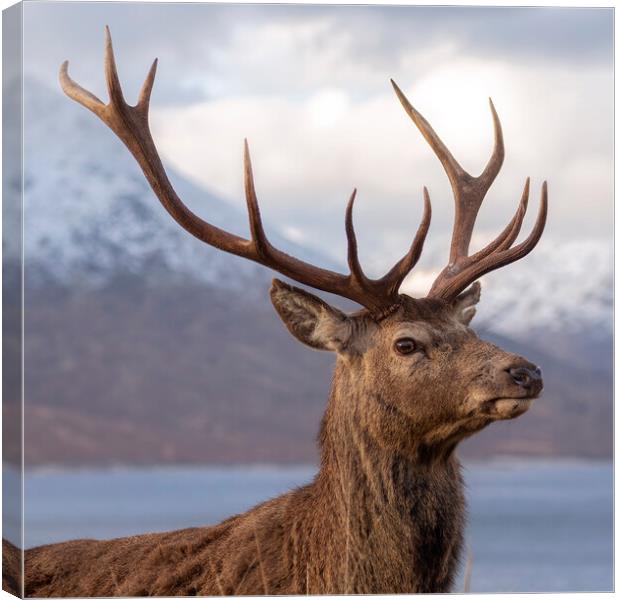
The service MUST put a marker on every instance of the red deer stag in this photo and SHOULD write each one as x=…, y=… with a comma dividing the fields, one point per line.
x=385, y=512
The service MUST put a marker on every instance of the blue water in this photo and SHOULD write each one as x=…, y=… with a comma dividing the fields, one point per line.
x=533, y=526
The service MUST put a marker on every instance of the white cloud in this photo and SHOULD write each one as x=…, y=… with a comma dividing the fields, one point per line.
x=310, y=150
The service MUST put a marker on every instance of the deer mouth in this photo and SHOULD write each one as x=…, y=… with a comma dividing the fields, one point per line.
x=509, y=407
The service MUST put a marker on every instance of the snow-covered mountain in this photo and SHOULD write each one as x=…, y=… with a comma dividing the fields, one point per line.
x=89, y=213
x=570, y=290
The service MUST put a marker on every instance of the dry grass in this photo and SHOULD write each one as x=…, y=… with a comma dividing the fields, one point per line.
x=469, y=565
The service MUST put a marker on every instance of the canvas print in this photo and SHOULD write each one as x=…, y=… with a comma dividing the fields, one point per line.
x=306, y=299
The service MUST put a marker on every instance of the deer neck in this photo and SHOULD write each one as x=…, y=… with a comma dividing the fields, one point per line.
x=402, y=512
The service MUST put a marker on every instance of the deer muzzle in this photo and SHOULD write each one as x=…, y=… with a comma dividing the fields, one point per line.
x=528, y=378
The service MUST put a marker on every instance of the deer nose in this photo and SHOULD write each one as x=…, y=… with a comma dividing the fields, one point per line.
x=528, y=377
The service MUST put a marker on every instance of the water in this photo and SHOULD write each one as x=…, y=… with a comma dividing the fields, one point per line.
x=533, y=526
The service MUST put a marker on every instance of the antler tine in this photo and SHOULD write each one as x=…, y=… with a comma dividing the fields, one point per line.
x=352, y=255
x=469, y=192
x=517, y=220
x=511, y=231
x=497, y=158
x=257, y=231
x=450, y=164
x=111, y=74
x=394, y=278
x=77, y=92
x=510, y=255
x=144, y=97
x=448, y=287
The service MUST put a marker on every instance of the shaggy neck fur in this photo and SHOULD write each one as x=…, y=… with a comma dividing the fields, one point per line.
x=396, y=520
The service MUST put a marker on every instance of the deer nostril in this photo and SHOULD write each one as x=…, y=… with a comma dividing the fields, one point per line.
x=525, y=377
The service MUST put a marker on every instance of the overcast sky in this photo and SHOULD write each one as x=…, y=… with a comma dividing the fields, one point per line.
x=309, y=86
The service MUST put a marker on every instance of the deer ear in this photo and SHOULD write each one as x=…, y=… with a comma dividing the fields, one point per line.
x=310, y=319
x=464, y=304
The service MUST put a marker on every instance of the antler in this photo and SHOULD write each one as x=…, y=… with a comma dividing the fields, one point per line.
x=469, y=192
x=130, y=124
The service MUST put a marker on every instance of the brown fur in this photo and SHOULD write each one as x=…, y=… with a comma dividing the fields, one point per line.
x=385, y=513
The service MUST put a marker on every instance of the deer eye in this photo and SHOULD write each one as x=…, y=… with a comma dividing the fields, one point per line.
x=406, y=346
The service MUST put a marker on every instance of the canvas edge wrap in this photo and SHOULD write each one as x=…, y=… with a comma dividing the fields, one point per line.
x=12, y=300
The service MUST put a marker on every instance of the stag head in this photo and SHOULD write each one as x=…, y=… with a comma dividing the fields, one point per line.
x=417, y=378
x=421, y=377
